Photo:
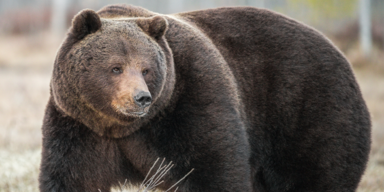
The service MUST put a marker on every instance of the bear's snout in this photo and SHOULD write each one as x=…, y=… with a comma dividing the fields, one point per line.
x=132, y=96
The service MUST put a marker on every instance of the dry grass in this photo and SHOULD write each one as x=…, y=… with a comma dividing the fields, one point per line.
x=372, y=85
x=25, y=67
x=19, y=170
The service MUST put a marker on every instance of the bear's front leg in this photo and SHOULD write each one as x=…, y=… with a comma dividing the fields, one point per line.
x=74, y=159
x=215, y=146
x=220, y=157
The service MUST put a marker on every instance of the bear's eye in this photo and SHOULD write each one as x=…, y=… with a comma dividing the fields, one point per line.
x=145, y=72
x=117, y=70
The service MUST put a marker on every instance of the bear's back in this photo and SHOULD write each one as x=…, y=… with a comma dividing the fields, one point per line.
x=276, y=61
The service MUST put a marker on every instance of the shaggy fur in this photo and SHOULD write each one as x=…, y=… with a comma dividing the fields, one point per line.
x=252, y=100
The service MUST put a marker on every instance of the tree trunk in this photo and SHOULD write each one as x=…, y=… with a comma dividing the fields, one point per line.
x=365, y=26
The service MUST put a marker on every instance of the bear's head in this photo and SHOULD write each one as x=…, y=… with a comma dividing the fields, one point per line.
x=113, y=75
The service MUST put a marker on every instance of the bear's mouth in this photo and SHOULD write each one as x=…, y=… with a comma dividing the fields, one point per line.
x=142, y=113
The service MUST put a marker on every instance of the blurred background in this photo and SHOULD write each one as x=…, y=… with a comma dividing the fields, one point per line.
x=31, y=32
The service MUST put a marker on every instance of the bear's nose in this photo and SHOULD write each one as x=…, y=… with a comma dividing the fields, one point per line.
x=143, y=99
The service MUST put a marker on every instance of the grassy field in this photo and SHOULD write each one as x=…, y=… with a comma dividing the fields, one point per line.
x=25, y=69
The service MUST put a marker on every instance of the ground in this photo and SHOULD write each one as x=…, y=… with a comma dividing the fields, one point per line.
x=25, y=70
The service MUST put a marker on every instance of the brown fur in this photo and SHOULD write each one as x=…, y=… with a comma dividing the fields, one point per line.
x=254, y=101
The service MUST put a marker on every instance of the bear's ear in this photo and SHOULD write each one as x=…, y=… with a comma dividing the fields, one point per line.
x=154, y=26
x=84, y=23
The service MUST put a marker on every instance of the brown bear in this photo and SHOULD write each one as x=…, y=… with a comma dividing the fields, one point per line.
x=248, y=98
